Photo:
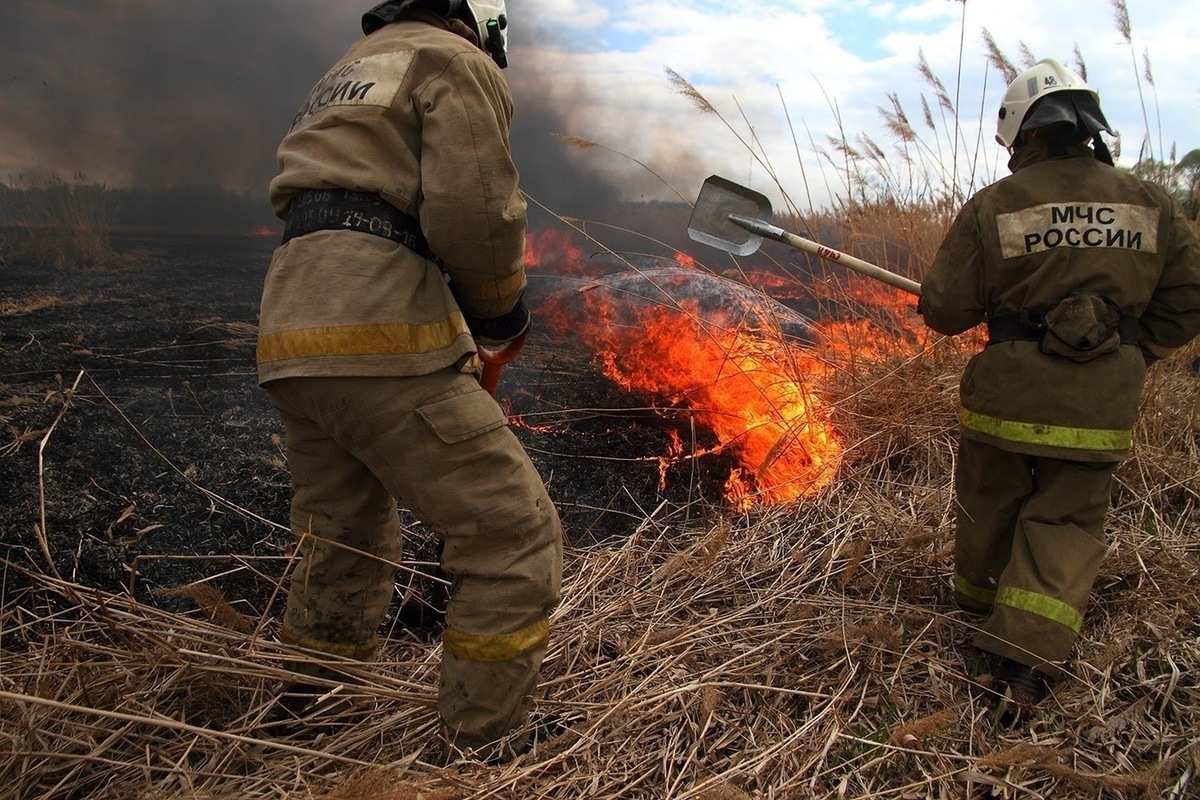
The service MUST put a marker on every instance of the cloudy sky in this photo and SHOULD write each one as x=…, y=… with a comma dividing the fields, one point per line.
x=161, y=92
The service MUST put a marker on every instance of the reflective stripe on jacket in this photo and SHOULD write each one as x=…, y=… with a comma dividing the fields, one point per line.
x=419, y=115
x=1055, y=225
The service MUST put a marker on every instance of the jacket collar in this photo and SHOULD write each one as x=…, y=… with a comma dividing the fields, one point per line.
x=1040, y=150
x=446, y=23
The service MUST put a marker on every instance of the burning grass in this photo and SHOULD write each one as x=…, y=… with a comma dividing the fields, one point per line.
x=803, y=649
x=801, y=646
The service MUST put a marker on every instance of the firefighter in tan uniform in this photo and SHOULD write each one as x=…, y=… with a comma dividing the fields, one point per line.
x=403, y=248
x=1084, y=275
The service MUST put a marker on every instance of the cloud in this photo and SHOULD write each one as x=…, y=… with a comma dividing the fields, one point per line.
x=146, y=92
x=574, y=14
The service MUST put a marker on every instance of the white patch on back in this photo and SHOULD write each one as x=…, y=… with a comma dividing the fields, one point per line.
x=368, y=81
x=1083, y=225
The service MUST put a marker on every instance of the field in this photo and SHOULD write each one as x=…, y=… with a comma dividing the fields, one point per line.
x=137, y=430
x=706, y=647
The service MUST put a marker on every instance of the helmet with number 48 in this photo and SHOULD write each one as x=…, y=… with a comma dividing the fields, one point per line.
x=1045, y=94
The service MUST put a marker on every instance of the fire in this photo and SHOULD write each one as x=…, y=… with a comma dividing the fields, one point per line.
x=872, y=306
x=717, y=356
x=722, y=349
x=555, y=249
x=746, y=385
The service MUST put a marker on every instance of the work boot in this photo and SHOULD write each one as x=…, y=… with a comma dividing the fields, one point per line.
x=1021, y=689
x=492, y=754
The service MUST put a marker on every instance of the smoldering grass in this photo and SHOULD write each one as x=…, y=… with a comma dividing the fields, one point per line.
x=808, y=650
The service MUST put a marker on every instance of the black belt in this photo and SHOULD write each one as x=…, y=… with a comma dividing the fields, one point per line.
x=1030, y=327
x=314, y=210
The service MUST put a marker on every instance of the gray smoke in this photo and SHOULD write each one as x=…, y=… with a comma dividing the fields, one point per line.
x=158, y=94
x=141, y=92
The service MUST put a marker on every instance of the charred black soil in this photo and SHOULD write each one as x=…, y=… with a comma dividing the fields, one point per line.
x=137, y=451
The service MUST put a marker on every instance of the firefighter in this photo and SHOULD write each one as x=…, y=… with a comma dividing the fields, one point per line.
x=403, y=250
x=1085, y=275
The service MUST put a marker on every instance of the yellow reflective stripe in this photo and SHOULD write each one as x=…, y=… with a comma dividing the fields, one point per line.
x=360, y=340
x=361, y=651
x=986, y=597
x=1041, y=605
x=493, y=290
x=505, y=647
x=1052, y=435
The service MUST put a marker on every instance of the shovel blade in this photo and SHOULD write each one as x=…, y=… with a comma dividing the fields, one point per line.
x=710, y=223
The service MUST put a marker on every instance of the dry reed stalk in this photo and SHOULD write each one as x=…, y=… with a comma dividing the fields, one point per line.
x=43, y=541
x=807, y=650
x=53, y=223
x=789, y=652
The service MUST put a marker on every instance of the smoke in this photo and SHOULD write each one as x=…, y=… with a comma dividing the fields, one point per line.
x=140, y=92
x=586, y=146
x=553, y=176
x=154, y=94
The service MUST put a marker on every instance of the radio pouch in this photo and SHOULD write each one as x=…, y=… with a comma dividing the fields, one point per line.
x=1082, y=326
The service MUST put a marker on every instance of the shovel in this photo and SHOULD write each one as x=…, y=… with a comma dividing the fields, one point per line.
x=736, y=219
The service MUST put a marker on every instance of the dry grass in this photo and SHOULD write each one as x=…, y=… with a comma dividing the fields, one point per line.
x=53, y=223
x=802, y=651
x=805, y=651
x=14, y=307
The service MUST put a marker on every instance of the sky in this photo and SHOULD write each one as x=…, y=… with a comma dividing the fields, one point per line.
x=164, y=93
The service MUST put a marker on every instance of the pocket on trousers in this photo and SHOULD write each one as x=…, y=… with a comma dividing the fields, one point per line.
x=463, y=416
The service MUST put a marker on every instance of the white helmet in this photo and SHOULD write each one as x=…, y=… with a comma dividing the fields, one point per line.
x=488, y=17
x=1043, y=78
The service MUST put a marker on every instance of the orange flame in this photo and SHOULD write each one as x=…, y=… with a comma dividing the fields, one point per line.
x=553, y=248
x=758, y=392
x=749, y=388
x=737, y=377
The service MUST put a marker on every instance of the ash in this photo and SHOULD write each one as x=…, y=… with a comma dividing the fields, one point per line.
x=139, y=454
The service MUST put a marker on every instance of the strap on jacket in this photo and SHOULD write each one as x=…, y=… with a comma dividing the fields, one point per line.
x=314, y=210
x=1030, y=326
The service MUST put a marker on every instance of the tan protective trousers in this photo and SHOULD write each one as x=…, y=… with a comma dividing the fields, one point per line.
x=440, y=445
x=1028, y=546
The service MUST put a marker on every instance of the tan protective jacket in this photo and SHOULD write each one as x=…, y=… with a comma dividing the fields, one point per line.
x=1055, y=225
x=418, y=114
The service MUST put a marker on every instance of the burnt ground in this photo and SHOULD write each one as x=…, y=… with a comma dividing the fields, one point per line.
x=162, y=461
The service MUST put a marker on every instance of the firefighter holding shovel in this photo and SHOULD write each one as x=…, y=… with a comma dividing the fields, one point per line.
x=1084, y=275
x=402, y=259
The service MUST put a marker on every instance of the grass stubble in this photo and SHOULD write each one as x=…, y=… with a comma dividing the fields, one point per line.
x=806, y=650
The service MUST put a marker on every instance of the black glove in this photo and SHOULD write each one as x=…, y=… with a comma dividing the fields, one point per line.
x=497, y=331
